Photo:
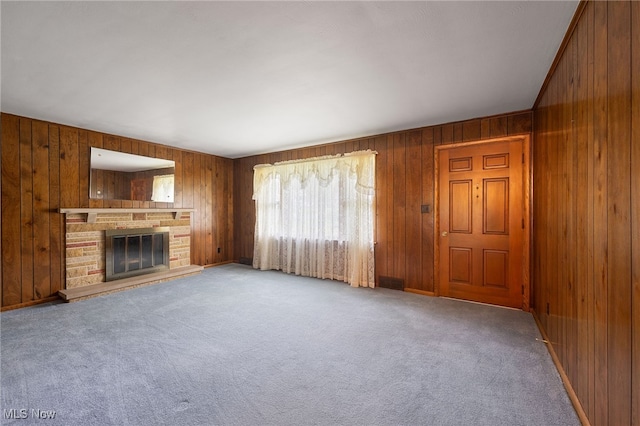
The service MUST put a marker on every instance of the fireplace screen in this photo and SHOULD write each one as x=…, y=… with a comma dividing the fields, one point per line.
x=132, y=252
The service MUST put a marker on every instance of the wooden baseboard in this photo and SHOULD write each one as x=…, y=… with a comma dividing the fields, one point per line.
x=422, y=292
x=565, y=379
x=226, y=262
x=81, y=293
x=31, y=303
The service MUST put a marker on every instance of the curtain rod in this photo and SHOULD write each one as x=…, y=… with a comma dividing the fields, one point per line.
x=319, y=158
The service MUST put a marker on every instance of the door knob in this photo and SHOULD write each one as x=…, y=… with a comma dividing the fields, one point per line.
x=444, y=233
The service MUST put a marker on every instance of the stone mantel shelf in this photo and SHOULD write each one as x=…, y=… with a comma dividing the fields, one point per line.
x=92, y=214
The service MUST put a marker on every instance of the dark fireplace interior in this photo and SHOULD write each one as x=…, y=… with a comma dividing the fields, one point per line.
x=131, y=252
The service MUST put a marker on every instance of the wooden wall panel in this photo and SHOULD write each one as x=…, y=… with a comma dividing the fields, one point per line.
x=208, y=208
x=224, y=208
x=399, y=208
x=600, y=241
x=384, y=235
x=1, y=273
x=405, y=181
x=56, y=223
x=41, y=216
x=635, y=211
x=11, y=220
x=196, y=242
x=586, y=175
x=584, y=167
x=428, y=222
x=618, y=216
x=45, y=166
x=26, y=209
x=382, y=201
x=413, y=216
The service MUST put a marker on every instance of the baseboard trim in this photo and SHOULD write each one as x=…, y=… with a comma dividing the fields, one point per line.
x=422, y=292
x=211, y=265
x=31, y=303
x=565, y=379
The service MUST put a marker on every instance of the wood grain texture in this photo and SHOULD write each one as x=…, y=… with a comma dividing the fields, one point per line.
x=41, y=210
x=584, y=222
x=45, y=167
x=209, y=205
x=399, y=206
x=427, y=237
x=619, y=204
x=56, y=226
x=413, y=216
x=197, y=239
x=388, y=226
x=69, y=168
x=405, y=181
x=382, y=200
x=586, y=175
x=635, y=209
x=600, y=240
x=471, y=130
x=588, y=97
x=11, y=220
x=1, y=274
x=498, y=127
x=26, y=210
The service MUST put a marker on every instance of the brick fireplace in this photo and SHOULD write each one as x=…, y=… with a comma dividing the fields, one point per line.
x=86, y=243
x=137, y=251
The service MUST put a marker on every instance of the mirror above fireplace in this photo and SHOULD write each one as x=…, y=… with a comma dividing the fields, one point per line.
x=120, y=176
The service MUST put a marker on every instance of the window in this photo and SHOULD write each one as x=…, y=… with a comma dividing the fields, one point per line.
x=162, y=188
x=315, y=217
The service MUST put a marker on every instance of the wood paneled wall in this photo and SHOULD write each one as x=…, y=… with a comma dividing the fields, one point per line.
x=45, y=166
x=586, y=254
x=404, y=181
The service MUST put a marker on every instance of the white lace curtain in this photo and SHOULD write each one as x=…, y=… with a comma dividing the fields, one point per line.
x=315, y=217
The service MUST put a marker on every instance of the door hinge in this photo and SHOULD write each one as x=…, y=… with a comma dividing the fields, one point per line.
x=523, y=223
x=522, y=289
x=523, y=158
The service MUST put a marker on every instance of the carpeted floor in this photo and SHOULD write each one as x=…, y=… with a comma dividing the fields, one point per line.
x=235, y=346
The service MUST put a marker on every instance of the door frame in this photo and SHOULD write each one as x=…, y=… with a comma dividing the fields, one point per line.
x=527, y=206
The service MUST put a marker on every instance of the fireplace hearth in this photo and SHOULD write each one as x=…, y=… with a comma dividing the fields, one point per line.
x=137, y=251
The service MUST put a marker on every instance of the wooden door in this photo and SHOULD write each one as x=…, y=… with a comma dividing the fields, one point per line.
x=482, y=222
x=139, y=190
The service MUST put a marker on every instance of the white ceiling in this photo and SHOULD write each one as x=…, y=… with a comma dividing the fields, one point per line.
x=240, y=78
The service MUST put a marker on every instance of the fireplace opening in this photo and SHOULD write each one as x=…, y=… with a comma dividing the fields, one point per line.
x=131, y=252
